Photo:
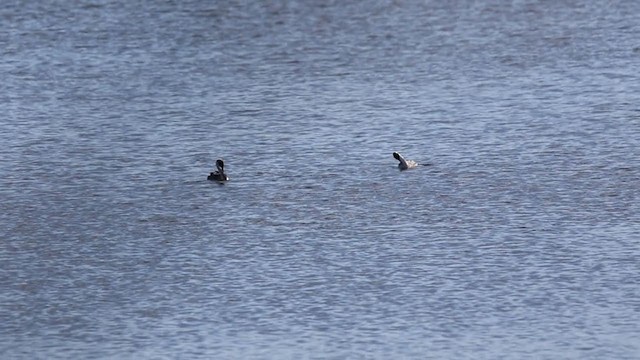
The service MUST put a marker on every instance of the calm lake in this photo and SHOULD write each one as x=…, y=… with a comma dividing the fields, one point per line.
x=520, y=240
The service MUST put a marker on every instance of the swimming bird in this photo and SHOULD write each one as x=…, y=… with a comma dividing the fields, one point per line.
x=404, y=164
x=219, y=174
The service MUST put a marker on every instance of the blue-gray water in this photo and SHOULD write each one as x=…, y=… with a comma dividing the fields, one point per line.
x=520, y=241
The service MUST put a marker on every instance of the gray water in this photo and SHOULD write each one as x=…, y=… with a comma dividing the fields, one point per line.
x=521, y=240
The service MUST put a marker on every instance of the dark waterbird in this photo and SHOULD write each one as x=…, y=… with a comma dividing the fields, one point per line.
x=219, y=174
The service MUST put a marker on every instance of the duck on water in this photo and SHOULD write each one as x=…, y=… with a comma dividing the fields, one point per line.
x=404, y=163
x=219, y=174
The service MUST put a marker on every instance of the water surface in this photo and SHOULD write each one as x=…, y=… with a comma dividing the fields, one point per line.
x=518, y=241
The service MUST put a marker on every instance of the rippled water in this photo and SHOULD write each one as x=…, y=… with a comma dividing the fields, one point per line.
x=519, y=241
